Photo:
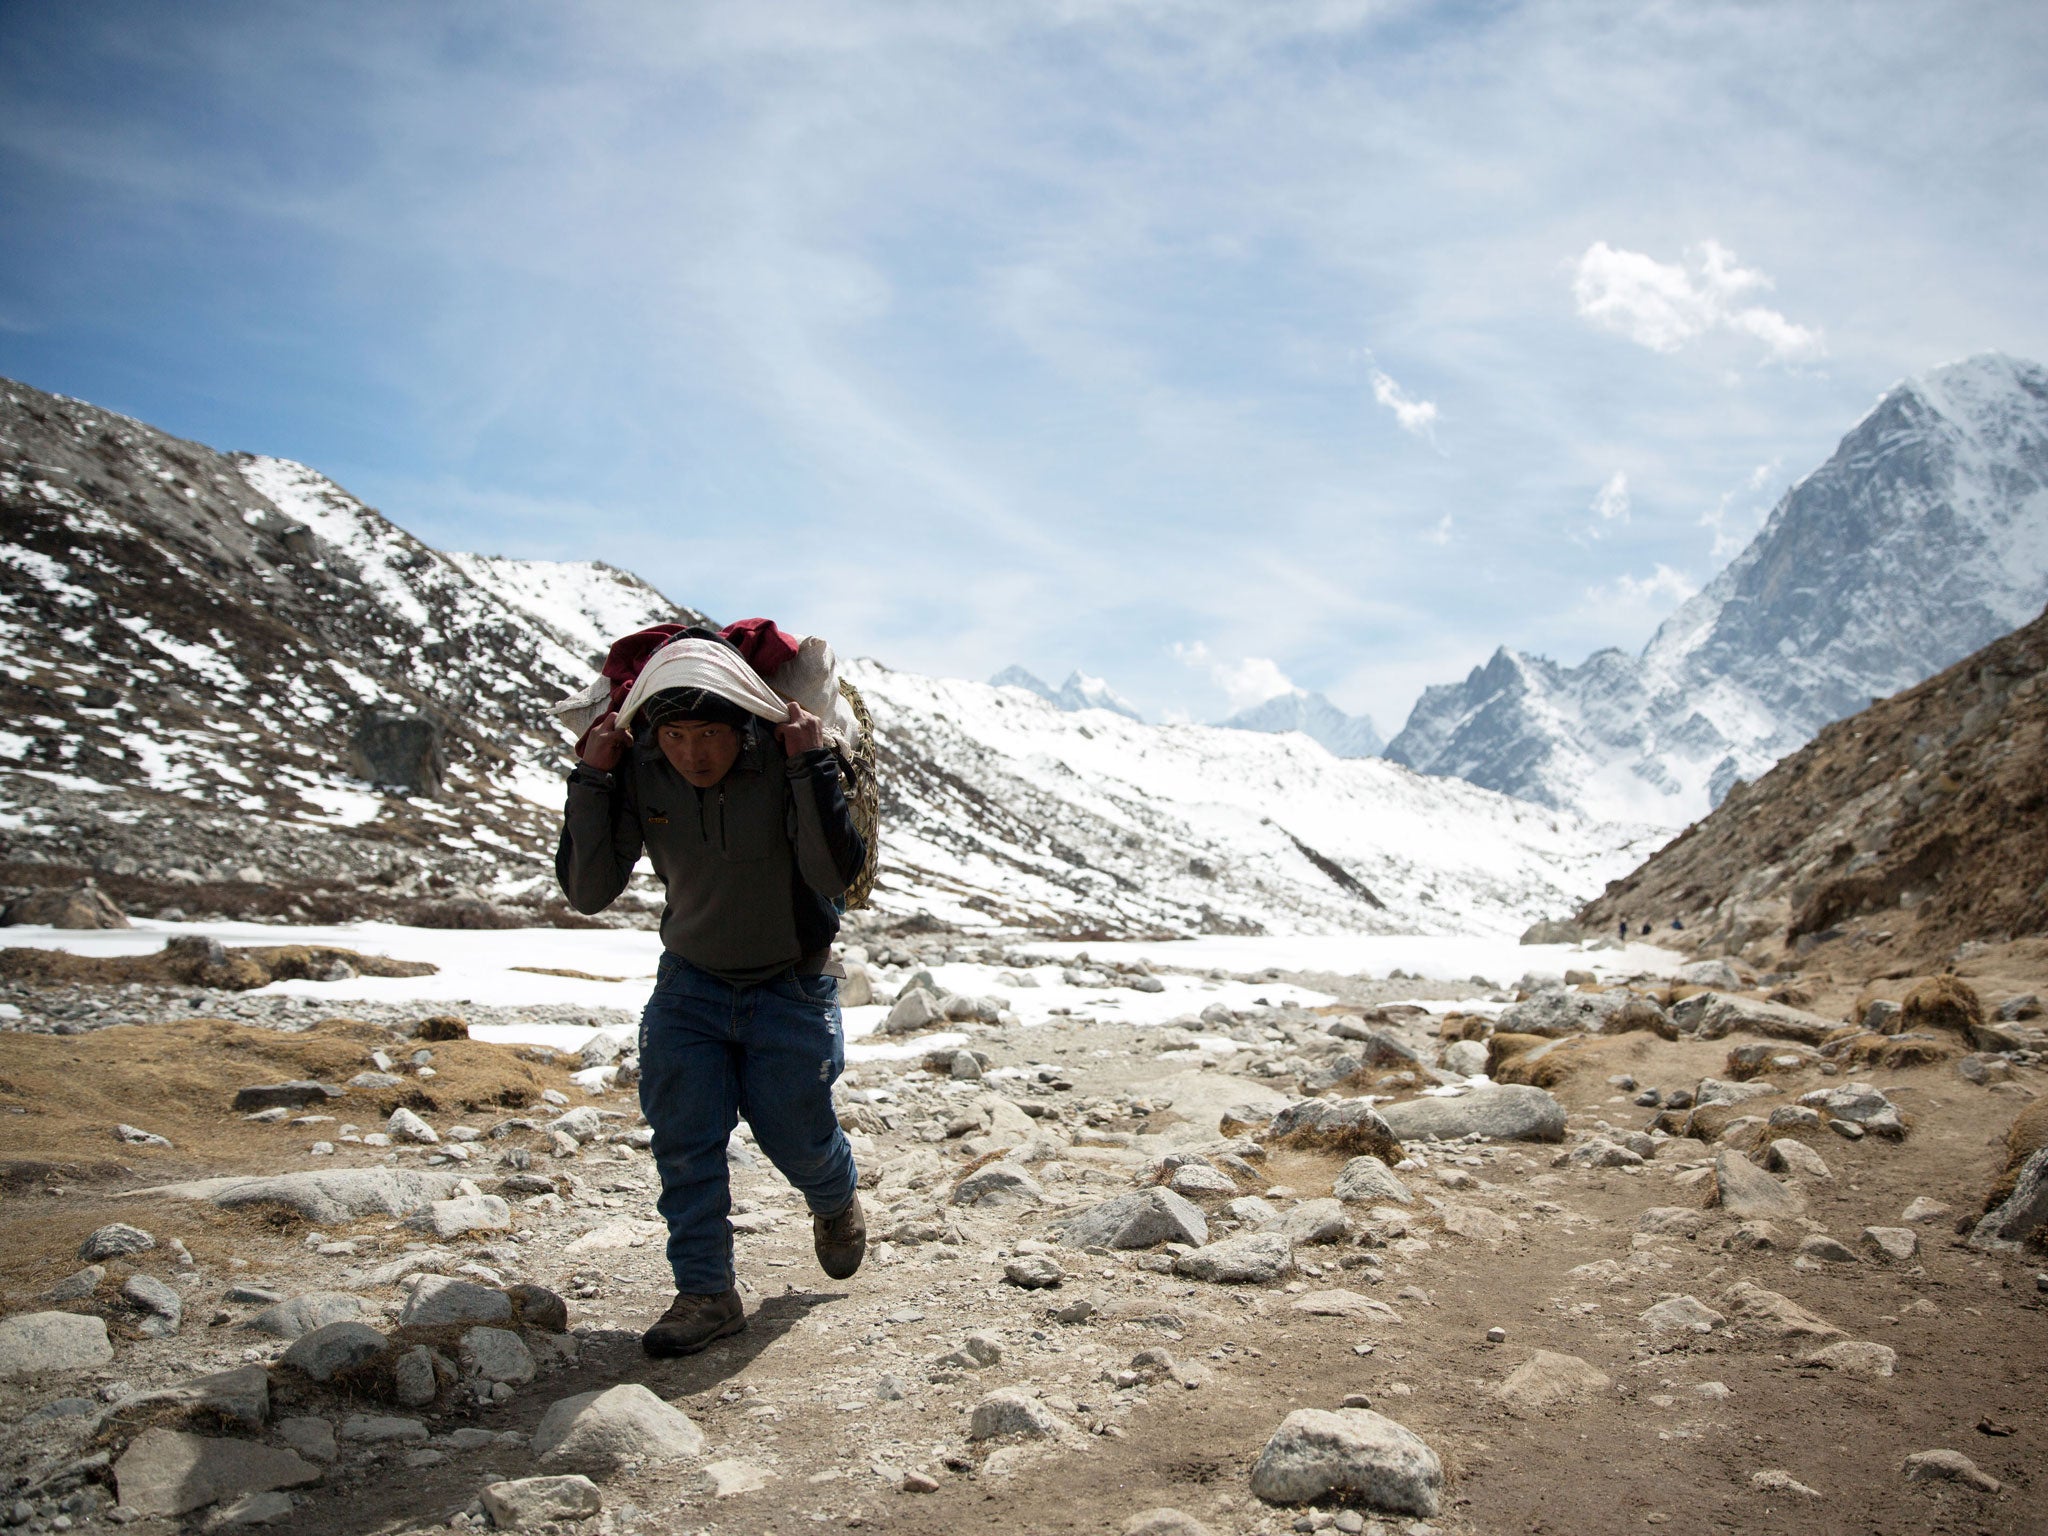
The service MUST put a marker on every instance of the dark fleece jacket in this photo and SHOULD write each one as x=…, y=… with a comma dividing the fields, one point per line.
x=750, y=865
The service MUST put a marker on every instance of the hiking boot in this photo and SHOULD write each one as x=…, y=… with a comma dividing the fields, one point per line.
x=691, y=1322
x=841, y=1241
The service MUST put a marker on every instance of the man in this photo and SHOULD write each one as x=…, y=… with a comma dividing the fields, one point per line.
x=747, y=825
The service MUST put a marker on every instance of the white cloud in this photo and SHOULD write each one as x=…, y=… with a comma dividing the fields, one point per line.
x=1610, y=502
x=1441, y=533
x=1415, y=416
x=1735, y=518
x=1245, y=683
x=1662, y=585
x=1663, y=305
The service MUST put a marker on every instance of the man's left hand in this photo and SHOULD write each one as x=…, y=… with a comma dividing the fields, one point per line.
x=802, y=732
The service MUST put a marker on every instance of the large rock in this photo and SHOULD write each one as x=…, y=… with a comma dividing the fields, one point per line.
x=1756, y=1313
x=1368, y=1181
x=161, y=1309
x=914, y=1010
x=1557, y=1011
x=1014, y=1411
x=1141, y=1219
x=497, y=1354
x=1312, y=1221
x=1505, y=1112
x=438, y=1301
x=622, y=1423
x=524, y=1502
x=240, y=1396
x=34, y=1342
x=115, y=1240
x=326, y=1352
x=1353, y=1452
x=1948, y=1467
x=1714, y=1016
x=2023, y=1212
x=1745, y=1191
x=167, y=1472
x=401, y=752
x=1547, y=1379
x=1335, y=1125
x=998, y=1184
x=302, y=1314
x=445, y=1219
x=1681, y=1314
x=328, y=1197
x=79, y=906
x=1251, y=1258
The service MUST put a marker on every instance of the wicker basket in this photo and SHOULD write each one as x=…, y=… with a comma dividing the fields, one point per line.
x=864, y=797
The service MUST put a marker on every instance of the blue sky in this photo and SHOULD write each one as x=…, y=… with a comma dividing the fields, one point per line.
x=1201, y=345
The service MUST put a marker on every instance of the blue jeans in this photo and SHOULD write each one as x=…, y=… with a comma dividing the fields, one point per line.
x=710, y=1052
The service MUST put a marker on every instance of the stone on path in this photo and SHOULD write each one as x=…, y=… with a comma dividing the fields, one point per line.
x=534, y=1501
x=1164, y=1522
x=162, y=1308
x=1351, y=1451
x=1788, y=1156
x=404, y=1125
x=310, y=1437
x=1777, y=1480
x=1313, y=1221
x=1948, y=1466
x=465, y=1213
x=1681, y=1314
x=1342, y=1303
x=622, y=1423
x=1368, y=1181
x=382, y=1429
x=1760, y=1314
x=1250, y=1258
x=115, y=1240
x=731, y=1477
x=1014, y=1411
x=328, y=1197
x=34, y=1342
x=438, y=1301
x=497, y=1354
x=1746, y=1192
x=913, y=1011
x=302, y=1314
x=78, y=1286
x=1141, y=1219
x=1924, y=1209
x=167, y=1472
x=1547, y=1378
x=1503, y=1112
x=326, y=1352
x=1477, y=1223
x=1895, y=1243
x=241, y=1395
x=1033, y=1272
x=414, y=1381
x=1854, y=1358
x=998, y=1184
x=2023, y=1215
x=1200, y=1179
x=1335, y=1125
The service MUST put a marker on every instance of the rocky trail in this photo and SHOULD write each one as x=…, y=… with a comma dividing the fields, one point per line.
x=1682, y=1258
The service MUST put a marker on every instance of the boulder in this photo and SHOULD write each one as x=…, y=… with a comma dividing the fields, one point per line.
x=1948, y=1467
x=466, y=1213
x=997, y=1185
x=497, y=1354
x=1681, y=1314
x=1746, y=1192
x=1141, y=1219
x=622, y=1423
x=329, y=1197
x=1854, y=1358
x=1312, y=1221
x=1342, y=1303
x=1334, y=1125
x=162, y=1309
x=1547, y=1379
x=167, y=1472
x=395, y=751
x=1715, y=1016
x=34, y=1342
x=326, y=1352
x=2022, y=1214
x=1557, y=1011
x=113, y=1241
x=1251, y=1258
x=1477, y=1223
x=1504, y=1112
x=524, y=1502
x=302, y=1314
x=914, y=1010
x=1014, y=1411
x=1368, y=1181
x=1765, y=1315
x=240, y=1396
x=78, y=906
x=1788, y=1156
x=439, y=1301
x=1352, y=1452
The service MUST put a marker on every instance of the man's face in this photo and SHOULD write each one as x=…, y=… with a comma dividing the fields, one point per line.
x=703, y=753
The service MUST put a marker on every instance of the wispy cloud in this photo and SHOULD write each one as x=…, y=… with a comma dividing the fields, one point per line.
x=1249, y=681
x=1415, y=416
x=1665, y=305
x=1738, y=512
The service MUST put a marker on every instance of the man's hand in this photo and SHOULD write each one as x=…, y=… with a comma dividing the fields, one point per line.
x=802, y=732
x=606, y=744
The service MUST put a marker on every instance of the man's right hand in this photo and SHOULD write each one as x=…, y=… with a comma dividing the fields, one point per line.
x=606, y=744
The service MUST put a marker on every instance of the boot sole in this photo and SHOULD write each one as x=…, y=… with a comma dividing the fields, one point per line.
x=661, y=1350
x=843, y=1274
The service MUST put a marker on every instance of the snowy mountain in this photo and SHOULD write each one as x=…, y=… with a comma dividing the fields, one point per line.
x=1923, y=538
x=1079, y=691
x=219, y=671
x=1316, y=718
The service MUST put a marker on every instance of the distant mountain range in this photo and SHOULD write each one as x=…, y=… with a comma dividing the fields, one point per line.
x=231, y=688
x=1316, y=718
x=1079, y=691
x=1923, y=538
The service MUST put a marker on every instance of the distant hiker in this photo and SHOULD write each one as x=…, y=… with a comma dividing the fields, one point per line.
x=741, y=808
x=1624, y=930
x=1646, y=930
x=1675, y=923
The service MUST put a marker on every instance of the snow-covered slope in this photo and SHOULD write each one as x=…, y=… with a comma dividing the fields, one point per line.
x=1316, y=718
x=1923, y=538
x=1003, y=807
x=1079, y=691
x=586, y=602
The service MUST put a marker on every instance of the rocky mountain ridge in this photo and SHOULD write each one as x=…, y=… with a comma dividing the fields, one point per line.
x=1300, y=709
x=235, y=690
x=1923, y=538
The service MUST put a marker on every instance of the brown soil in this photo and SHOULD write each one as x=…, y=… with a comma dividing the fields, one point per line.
x=243, y=969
